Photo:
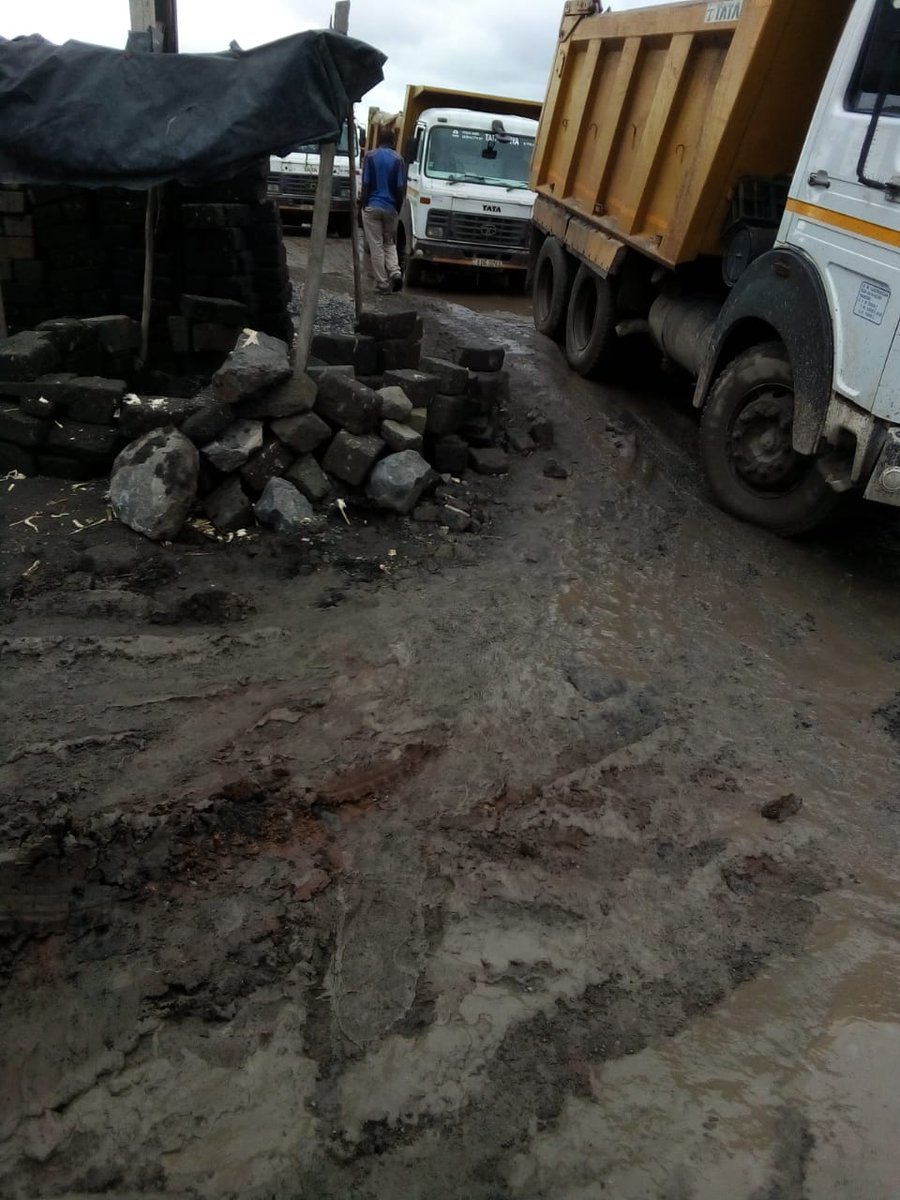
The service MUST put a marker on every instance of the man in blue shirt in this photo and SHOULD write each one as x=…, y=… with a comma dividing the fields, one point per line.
x=383, y=190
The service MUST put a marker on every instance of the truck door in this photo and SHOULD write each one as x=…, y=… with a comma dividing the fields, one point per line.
x=844, y=206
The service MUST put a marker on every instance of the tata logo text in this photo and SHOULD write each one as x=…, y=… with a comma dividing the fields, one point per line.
x=723, y=10
x=491, y=208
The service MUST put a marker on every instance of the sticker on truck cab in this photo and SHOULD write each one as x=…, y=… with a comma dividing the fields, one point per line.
x=871, y=302
x=723, y=10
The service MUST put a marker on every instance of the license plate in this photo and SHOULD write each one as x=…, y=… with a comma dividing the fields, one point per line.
x=487, y=262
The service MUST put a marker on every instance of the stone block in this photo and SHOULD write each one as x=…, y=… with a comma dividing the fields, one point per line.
x=94, y=400
x=289, y=399
x=303, y=433
x=446, y=414
x=153, y=484
x=117, y=334
x=488, y=390
x=348, y=404
x=209, y=338
x=520, y=441
x=22, y=430
x=350, y=457
x=384, y=326
x=61, y=466
x=450, y=455
x=12, y=201
x=228, y=506
x=417, y=385
x=180, y=335
x=37, y=406
x=17, y=458
x=283, y=509
x=338, y=348
x=395, y=404
x=397, y=481
x=482, y=358
x=451, y=379
x=215, y=311
x=399, y=437
x=210, y=419
x=480, y=431
x=317, y=370
x=139, y=414
x=399, y=354
x=27, y=355
x=489, y=462
x=92, y=444
x=215, y=216
x=418, y=419
x=236, y=446
x=256, y=364
x=309, y=478
x=273, y=460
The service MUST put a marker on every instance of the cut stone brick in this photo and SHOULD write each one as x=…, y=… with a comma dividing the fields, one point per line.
x=94, y=400
x=60, y=466
x=446, y=414
x=489, y=462
x=450, y=455
x=273, y=460
x=140, y=414
x=215, y=216
x=283, y=509
x=304, y=433
x=451, y=379
x=212, y=309
x=257, y=363
x=210, y=419
x=399, y=354
x=395, y=404
x=338, y=348
x=116, y=334
x=289, y=399
x=348, y=404
x=399, y=480
x=416, y=384
x=37, y=406
x=27, y=355
x=400, y=437
x=489, y=388
x=180, y=334
x=317, y=370
x=418, y=419
x=17, y=458
x=92, y=444
x=350, y=457
x=22, y=430
x=482, y=358
x=387, y=325
x=154, y=483
x=228, y=506
x=236, y=446
x=306, y=475
x=210, y=338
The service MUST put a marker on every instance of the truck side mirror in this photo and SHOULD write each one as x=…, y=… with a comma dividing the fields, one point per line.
x=411, y=150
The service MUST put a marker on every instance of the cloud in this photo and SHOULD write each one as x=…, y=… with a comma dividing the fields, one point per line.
x=502, y=47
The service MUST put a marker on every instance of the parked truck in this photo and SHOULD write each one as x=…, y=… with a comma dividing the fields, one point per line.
x=468, y=202
x=725, y=176
x=293, y=181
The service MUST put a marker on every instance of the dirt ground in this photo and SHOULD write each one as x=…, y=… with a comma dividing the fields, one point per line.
x=404, y=864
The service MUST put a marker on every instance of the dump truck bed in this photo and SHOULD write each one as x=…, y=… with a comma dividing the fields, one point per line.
x=420, y=97
x=653, y=116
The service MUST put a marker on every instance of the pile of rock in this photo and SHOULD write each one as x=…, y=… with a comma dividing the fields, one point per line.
x=264, y=440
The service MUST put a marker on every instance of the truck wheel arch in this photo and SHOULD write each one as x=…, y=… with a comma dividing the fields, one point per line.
x=780, y=296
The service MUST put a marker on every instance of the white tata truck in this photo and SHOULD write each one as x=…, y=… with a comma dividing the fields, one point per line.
x=468, y=201
x=725, y=176
x=293, y=181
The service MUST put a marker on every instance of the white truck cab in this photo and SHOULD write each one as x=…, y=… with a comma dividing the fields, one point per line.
x=294, y=178
x=468, y=201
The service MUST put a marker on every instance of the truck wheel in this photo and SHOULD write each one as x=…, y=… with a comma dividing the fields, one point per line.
x=412, y=273
x=751, y=466
x=590, y=322
x=554, y=271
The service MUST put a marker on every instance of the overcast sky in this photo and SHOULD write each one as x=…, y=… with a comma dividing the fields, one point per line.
x=503, y=47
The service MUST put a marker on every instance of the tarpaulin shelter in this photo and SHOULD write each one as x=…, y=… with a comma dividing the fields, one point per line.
x=94, y=117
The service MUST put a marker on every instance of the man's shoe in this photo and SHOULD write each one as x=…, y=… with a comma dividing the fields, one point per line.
x=396, y=283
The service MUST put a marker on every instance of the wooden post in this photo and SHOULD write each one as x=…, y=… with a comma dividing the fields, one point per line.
x=3, y=327
x=149, y=243
x=315, y=262
x=353, y=148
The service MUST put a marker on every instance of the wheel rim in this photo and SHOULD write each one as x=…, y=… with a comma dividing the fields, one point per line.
x=584, y=314
x=760, y=441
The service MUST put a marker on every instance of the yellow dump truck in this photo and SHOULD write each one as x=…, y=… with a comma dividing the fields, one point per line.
x=725, y=176
x=468, y=201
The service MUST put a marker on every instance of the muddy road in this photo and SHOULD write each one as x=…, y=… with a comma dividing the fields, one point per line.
x=400, y=863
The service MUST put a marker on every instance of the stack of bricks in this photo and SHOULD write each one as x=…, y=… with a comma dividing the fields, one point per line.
x=21, y=274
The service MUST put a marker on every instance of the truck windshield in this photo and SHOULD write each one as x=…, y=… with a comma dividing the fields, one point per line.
x=479, y=156
x=343, y=146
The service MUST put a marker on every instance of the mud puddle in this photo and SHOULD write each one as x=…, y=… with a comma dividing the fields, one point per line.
x=786, y=1090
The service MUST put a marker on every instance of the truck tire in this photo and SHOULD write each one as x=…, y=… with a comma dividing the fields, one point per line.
x=412, y=272
x=751, y=466
x=554, y=271
x=590, y=322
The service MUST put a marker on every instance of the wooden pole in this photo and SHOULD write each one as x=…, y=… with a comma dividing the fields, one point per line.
x=354, y=194
x=149, y=243
x=318, y=237
x=3, y=326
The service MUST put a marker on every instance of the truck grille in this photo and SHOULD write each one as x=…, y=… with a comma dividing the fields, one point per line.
x=303, y=187
x=484, y=228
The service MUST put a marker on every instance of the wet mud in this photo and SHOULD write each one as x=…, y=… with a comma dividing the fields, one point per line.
x=405, y=863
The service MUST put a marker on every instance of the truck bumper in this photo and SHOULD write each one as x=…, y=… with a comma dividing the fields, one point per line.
x=494, y=258
x=884, y=482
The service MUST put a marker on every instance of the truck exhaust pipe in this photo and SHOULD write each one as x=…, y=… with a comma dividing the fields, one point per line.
x=682, y=327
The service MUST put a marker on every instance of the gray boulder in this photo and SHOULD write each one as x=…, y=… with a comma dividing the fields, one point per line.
x=395, y=404
x=236, y=446
x=257, y=363
x=154, y=483
x=283, y=509
x=399, y=480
